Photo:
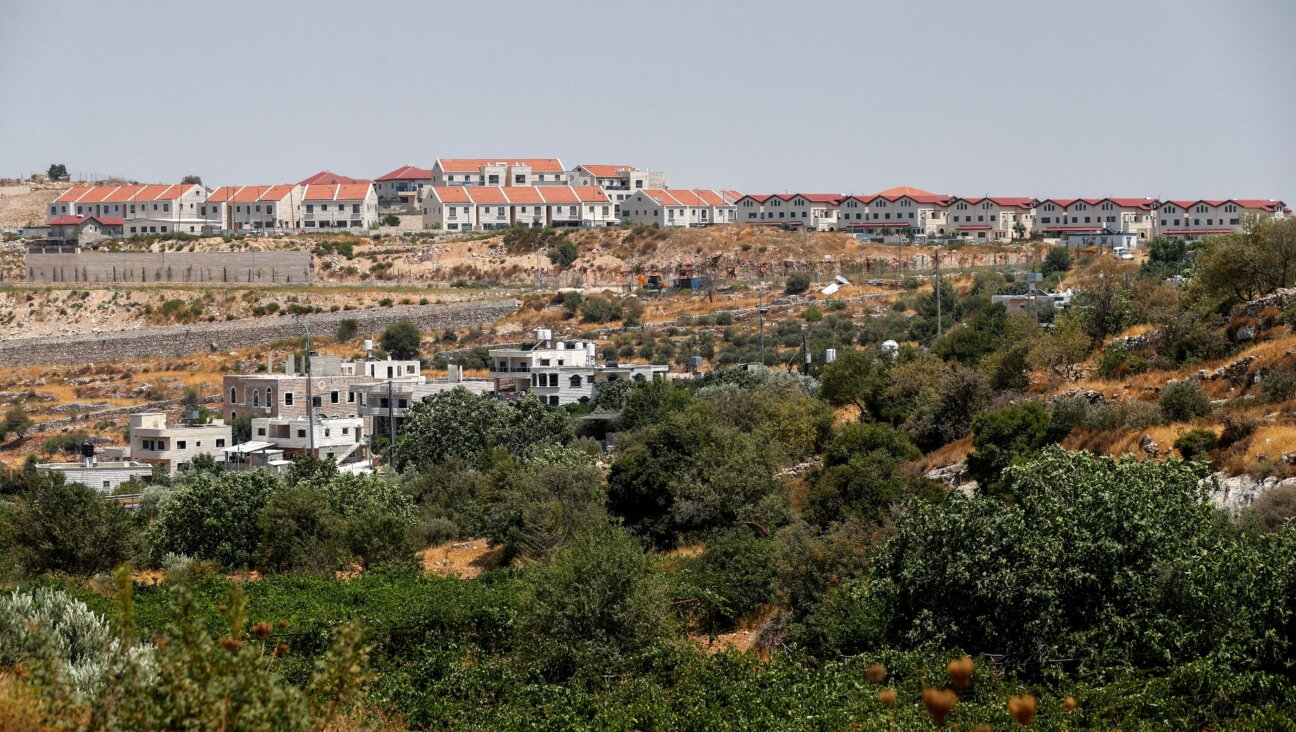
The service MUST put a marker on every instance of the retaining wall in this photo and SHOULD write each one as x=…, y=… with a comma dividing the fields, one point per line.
x=175, y=341
x=139, y=267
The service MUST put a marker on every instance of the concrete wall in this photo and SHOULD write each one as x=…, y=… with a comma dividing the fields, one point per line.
x=183, y=340
x=138, y=267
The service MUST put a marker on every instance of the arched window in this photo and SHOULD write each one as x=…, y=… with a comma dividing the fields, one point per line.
x=233, y=395
x=256, y=398
x=269, y=396
x=576, y=380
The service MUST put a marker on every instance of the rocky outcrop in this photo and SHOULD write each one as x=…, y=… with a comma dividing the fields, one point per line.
x=1277, y=299
x=1237, y=493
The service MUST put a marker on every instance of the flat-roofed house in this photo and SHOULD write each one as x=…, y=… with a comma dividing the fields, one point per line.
x=144, y=209
x=499, y=172
x=1189, y=219
x=680, y=207
x=484, y=208
x=339, y=206
x=155, y=442
x=560, y=372
x=403, y=186
x=255, y=208
x=619, y=182
x=992, y=218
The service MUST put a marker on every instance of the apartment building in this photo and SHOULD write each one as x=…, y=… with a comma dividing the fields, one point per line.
x=144, y=209
x=1063, y=216
x=1189, y=219
x=804, y=211
x=619, y=182
x=328, y=387
x=341, y=439
x=498, y=172
x=896, y=209
x=680, y=207
x=339, y=206
x=255, y=208
x=996, y=218
x=385, y=403
x=559, y=372
x=484, y=208
x=403, y=186
x=154, y=442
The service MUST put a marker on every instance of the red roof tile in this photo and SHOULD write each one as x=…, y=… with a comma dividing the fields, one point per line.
x=905, y=191
x=406, y=172
x=249, y=194
x=328, y=177
x=607, y=171
x=72, y=219
x=344, y=192
x=472, y=165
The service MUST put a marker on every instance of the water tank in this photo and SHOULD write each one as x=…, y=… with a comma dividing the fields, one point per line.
x=562, y=346
x=591, y=350
x=368, y=344
x=697, y=362
x=87, y=449
x=544, y=334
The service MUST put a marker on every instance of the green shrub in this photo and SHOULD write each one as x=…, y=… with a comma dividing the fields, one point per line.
x=1196, y=443
x=797, y=283
x=1181, y=401
x=1278, y=385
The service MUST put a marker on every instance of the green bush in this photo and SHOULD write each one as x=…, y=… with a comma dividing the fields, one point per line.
x=796, y=283
x=346, y=330
x=1196, y=443
x=1182, y=401
x=1278, y=385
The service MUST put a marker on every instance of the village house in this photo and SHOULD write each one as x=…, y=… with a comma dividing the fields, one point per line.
x=385, y=403
x=328, y=385
x=144, y=209
x=484, y=208
x=339, y=206
x=154, y=442
x=619, y=182
x=680, y=207
x=341, y=439
x=104, y=476
x=997, y=218
x=559, y=372
x=1187, y=219
x=84, y=229
x=498, y=172
x=255, y=209
x=403, y=186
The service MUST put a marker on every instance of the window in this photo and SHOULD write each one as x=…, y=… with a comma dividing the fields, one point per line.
x=220, y=442
x=301, y=433
x=333, y=397
x=256, y=398
x=316, y=402
x=181, y=444
x=233, y=391
x=269, y=396
x=576, y=381
x=288, y=398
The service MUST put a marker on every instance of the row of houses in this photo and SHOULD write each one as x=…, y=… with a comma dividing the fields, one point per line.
x=998, y=218
x=408, y=185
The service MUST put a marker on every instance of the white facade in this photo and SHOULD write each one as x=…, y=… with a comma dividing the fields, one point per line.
x=1194, y=219
x=482, y=208
x=498, y=172
x=989, y=219
x=341, y=439
x=342, y=206
x=403, y=185
x=153, y=441
x=103, y=476
x=558, y=372
x=618, y=182
x=680, y=207
x=1106, y=239
x=254, y=208
x=146, y=209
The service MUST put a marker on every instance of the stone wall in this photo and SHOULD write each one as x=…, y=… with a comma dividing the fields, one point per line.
x=137, y=267
x=182, y=340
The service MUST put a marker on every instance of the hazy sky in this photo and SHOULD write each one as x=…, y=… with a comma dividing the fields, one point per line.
x=1173, y=98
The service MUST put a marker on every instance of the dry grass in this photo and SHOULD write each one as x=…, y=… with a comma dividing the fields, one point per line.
x=464, y=559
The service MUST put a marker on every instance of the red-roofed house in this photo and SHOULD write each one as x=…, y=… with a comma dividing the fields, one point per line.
x=255, y=208
x=1063, y=216
x=619, y=182
x=329, y=178
x=486, y=208
x=343, y=206
x=145, y=209
x=499, y=172
x=994, y=218
x=84, y=229
x=804, y=211
x=403, y=185
x=680, y=207
x=918, y=212
x=1188, y=219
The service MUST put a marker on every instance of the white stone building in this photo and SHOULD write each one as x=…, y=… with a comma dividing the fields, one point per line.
x=254, y=208
x=341, y=439
x=145, y=209
x=619, y=182
x=1187, y=219
x=104, y=476
x=994, y=218
x=802, y=211
x=498, y=172
x=403, y=186
x=155, y=442
x=680, y=207
x=339, y=206
x=895, y=210
x=484, y=208
x=559, y=372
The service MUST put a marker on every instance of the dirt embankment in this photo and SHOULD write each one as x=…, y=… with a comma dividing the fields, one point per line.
x=23, y=204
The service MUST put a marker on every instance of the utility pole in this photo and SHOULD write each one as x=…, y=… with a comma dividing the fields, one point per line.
x=310, y=396
x=805, y=350
x=391, y=417
x=939, y=326
x=760, y=314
